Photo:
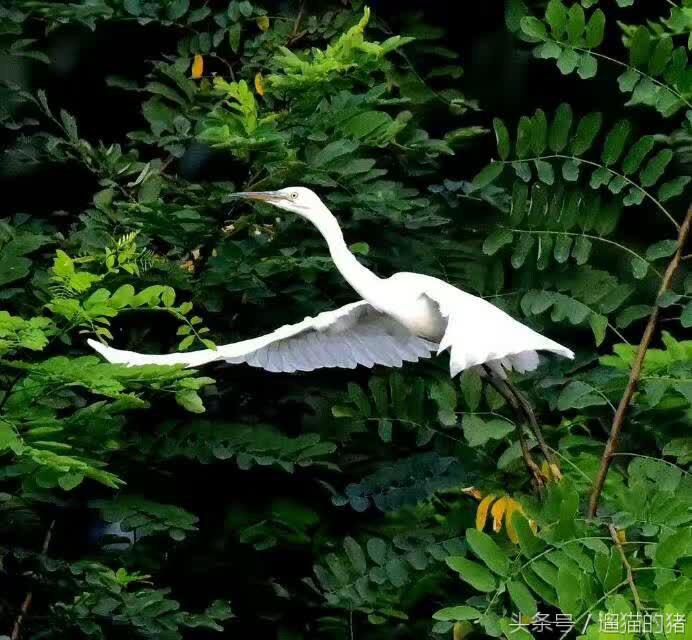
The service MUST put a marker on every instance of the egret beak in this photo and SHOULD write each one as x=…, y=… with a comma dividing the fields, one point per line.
x=271, y=197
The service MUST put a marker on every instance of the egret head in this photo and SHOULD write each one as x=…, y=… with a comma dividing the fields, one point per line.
x=298, y=200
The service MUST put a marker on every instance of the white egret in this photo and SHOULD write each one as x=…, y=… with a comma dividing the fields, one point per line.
x=401, y=318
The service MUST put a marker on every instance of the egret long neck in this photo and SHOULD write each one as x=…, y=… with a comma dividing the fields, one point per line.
x=364, y=281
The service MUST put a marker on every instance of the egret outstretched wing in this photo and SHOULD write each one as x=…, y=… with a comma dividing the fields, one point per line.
x=346, y=337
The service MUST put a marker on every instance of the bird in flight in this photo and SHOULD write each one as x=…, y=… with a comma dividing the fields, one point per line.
x=399, y=319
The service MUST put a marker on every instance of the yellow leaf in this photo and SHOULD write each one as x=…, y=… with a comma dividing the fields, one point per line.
x=197, y=66
x=259, y=84
x=461, y=630
x=621, y=536
x=263, y=23
x=512, y=506
x=482, y=511
x=497, y=512
x=551, y=471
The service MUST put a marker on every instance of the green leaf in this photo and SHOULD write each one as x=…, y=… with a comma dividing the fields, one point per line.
x=190, y=400
x=570, y=170
x=471, y=388
x=360, y=399
x=522, y=598
x=588, y=66
x=234, y=36
x=673, y=188
x=502, y=138
x=655, y=168
x=598, y=324
x=615, y=143
x=524, y=136
x=556, y=17
x=661, y=249
x=568, y=591
x=461, y=612
x=568, y=61
x=581, y=250
x=539, y=132
x=529, y=543
x=549, y=50
x=686, y=316
x=355, y=554
x=635, y=156
x=475, y=574
x=562, y=248
x=70, y=481
x=515, y=10
x=661, y=56
x=586, y=133
x=377, y=550
x=628, y=80
x=560, y=128
x=488, y=551
x=639, y=268
x=186, y=342
x=595, y=29
x=575, y=24
x=639, y=47
x=634, y=196
x=496, y=240
x=487, y=175
x=177, y=8
x=579, y=395
x=673, y=547
x=545, y=172
x=533, y=28
x=478, y=431
x=631, y=314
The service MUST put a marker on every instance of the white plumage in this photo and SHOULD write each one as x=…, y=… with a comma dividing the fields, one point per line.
x=400, y=319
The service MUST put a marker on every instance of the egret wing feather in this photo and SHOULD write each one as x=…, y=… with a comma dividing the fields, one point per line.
x=354, y=334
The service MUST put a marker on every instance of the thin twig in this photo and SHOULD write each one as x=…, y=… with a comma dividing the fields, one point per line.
x=628, y=567
x=26, y=604
x=636, y=371
x=295, y=35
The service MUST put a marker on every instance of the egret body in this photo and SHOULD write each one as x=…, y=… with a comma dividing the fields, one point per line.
x=401, y=318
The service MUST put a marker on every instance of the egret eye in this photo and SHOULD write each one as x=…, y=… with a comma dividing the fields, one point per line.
x=294, y=196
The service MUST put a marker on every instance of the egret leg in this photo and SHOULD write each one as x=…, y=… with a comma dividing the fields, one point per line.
x=512, y=401
x=528, y=411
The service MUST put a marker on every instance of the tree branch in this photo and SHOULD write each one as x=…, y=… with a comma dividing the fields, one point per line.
x=628, y=567
x=635, y=373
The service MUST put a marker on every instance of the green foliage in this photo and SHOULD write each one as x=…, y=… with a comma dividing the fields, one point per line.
x=656, y=72
x=370, y=577
x=339, y=504
x=406, y=482
x=256, y=445
x=105, y=598
x=145, y=518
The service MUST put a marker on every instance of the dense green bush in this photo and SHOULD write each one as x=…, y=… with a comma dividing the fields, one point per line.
x=159, y=502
